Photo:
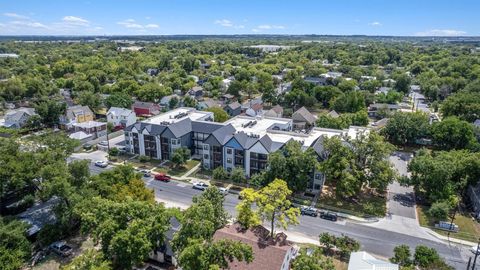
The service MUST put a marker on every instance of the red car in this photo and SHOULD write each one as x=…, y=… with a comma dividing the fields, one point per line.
x=162, y=177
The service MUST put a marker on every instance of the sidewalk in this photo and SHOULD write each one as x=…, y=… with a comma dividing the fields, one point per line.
x=453, y=240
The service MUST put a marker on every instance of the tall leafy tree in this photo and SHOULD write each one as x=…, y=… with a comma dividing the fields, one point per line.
x=452, y=133
x=15, y=249
x=274, y=206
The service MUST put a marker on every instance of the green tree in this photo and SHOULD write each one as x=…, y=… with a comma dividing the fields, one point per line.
x=79, y=171
x=440, y=210
x=464, y=105
x=127, y=231
x=209, y=255
x=219, y=114
x=219, y=173
x=91, y=259
x=180, y=156
x=406, y=128
x=90, y=99
x=121, y=100
x=50, y=111
x=402, y=83
x=453, y=133
x=424, y=256
x=352, y=102
x=314, y=261
x=14, y=246
x=246, y=216
x=238, y=175
x=401, y=255
x=213, y=196
x=274, y=207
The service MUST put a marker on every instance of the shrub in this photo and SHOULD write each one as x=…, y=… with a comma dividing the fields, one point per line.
x=439, y=210
x=113, y=152
x=238, y=175
x=219, y=174
x=143, y=159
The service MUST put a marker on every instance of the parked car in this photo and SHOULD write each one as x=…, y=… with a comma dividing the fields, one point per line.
x=146, y=173
x=61, y=248
x=101, y=163
x=309, y=211
x=223, y=190
x=162, y=177
x=200, y=186
x=103, y=143
x=329, y=216
x=474, y=250
x=87, y=146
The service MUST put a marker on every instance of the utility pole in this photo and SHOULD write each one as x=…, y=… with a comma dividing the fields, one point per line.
x=469, y=262
x=476, y=255
x=108, y=145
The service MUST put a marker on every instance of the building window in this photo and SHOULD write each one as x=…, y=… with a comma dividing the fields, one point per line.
x=175, y=141
x=205, y=156
x=229, y=160
x=205, y=147
x=229, y=151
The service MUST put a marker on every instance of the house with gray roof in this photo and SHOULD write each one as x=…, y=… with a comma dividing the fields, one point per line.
x=17, y=118
x=303, y=119
x=121, y=117
x=76, y=114
x=233, y=109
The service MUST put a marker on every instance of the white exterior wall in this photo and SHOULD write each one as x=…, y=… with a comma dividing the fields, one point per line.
x=287, y=259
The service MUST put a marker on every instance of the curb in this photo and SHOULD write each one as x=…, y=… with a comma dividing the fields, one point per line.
x=343, y=215
x=449, y=239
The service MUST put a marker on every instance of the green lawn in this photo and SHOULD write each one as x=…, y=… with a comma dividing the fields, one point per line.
x=170, y=168
x=469, y=229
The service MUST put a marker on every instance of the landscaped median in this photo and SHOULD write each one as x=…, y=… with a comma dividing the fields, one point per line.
x=469, y=229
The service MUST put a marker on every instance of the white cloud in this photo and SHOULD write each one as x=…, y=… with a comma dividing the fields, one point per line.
x=152, y=25
x=255, y=30
x=239, y=26
x=72, y=20
x=224, y=22
x=15, y=15
x=375, y=24
x=130, y=23
x=442, y=32
x=28, y=24
x=268, y=27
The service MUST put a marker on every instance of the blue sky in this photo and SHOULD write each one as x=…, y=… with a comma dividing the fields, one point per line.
x=166, y=17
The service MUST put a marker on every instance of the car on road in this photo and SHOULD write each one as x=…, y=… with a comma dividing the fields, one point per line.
x=103, y=143
x=87, y=147
x=162, y=177
x=223, y=190
x=329, y=216
x=101, y=163
x=61, y=248
x=200, y=186
x=309, y=211
x=474, y=250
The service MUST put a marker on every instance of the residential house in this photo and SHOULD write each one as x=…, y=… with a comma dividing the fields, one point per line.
x=361, y=260
x=165, y=254
x=284, y=88
x=227, y=98
x=76, y=114
x=165, y=101
x=145, y=108
x=303, y=119
x=269, y=253
x=18, y=118
x=275, y=111
x=81, y=136
x=333, y=114
x=121, y=117
x=39, y=215
x=207, y=103
x=316, y=80
x=233, y=109
x=226, y=82
x=94, y=128
x=196, y=92
x=253, y=107
x=377, y=109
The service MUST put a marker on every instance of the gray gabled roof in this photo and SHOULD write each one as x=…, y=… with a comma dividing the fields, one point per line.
x=244, y=140
x=205, y=126
x=223, y=134
x=305, y=115
x=181, y=128
x=234, y=105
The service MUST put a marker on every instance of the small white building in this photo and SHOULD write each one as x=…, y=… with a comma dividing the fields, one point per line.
x=363, y=261
x=121, y=117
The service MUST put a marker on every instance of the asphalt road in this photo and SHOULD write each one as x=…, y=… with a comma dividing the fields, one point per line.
x=374, y=240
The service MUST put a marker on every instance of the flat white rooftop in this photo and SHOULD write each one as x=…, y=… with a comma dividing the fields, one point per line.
x=258, y=125
x=177, y=115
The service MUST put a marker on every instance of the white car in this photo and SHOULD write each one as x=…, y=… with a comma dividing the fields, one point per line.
x=101, y=163
x=223, y=190
x=474, y=250
x=103, y=143
x=200, y=186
